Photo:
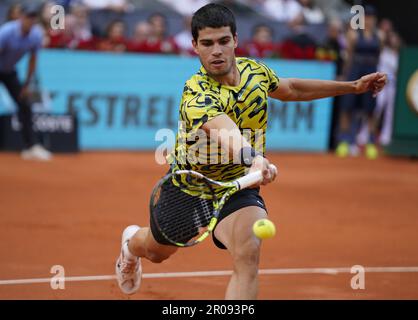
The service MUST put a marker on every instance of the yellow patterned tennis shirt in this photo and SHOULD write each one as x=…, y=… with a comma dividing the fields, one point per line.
x=204, y=99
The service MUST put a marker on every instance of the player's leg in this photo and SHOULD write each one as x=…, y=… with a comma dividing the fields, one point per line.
x=14, y=88
x=369, y=105
x=143, y=245
x=348, y=105
x=32, y=150
x=344, y=136
x=389, y=94
x=235, y=232
x=138, y=243
x=148, y=243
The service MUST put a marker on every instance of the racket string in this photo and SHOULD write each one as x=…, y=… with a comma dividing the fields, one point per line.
x=180, y=216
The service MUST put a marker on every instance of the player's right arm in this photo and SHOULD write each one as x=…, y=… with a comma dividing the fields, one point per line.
x=3, y=36
x=234, y=142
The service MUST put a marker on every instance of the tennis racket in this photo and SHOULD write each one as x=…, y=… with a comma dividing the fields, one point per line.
x=184, y=205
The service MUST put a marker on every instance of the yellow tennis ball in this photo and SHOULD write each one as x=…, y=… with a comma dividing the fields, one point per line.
x=264, y=229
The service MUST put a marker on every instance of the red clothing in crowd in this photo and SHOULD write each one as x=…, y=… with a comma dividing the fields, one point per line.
x=300, y=46
x=147, y=46
x=260, y=50
x=114, y=45
x=58, y=39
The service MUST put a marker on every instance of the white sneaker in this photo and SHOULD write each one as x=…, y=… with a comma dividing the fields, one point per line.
x=128, y=271
x=36, y=152
x=385, y=139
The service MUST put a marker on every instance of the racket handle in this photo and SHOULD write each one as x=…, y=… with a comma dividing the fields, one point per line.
x=250, y=179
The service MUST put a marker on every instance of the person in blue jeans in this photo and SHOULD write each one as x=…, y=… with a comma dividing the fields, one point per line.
x=18, y=38
x=363, y=50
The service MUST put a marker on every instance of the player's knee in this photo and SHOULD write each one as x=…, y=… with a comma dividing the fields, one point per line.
x=157, y=257
x=247, y=255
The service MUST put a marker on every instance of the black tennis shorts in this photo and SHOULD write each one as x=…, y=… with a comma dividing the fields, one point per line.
x=241, y=199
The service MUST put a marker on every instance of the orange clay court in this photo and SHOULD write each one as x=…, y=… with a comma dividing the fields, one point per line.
x=330, y=213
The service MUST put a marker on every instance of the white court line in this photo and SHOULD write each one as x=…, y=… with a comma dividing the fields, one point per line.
x=329, y=271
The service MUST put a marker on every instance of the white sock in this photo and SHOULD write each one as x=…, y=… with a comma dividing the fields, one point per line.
x=128, y=255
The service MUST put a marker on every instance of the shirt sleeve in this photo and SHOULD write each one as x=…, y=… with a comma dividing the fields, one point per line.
x=37, y=43
x=272, y=77
x=197, y=108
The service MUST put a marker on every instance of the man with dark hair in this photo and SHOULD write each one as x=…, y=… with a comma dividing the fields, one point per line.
x=16, y=39
x=227, y=93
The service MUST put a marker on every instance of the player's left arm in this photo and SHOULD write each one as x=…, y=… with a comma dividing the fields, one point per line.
x=32, y=61
x=31, y=68
x=3, y=37
x=292, y=89
x=29, y=74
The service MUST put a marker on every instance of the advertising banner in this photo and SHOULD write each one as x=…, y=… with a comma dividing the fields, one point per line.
x=123, y=100
x=405, y=125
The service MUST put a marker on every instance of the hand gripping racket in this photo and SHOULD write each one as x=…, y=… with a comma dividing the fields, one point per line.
x=184, y=205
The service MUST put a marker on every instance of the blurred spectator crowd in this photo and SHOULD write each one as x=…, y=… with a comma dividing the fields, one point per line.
x=151, y=35
x=149, y=31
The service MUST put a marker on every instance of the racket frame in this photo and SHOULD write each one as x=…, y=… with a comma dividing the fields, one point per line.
x=233, y=186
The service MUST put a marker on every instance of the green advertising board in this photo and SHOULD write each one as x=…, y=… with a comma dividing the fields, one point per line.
x=405, y=124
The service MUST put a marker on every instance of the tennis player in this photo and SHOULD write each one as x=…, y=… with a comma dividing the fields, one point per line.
x=228, y=93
